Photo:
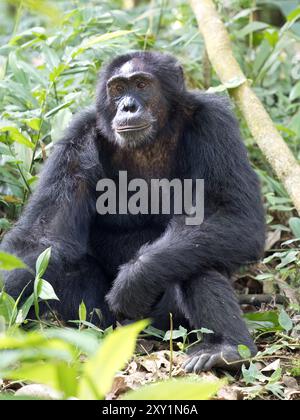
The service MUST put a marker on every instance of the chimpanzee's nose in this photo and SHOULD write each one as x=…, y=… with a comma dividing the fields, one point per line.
x=129, y=105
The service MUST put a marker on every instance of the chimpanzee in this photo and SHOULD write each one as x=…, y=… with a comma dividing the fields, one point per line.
x=131, y=266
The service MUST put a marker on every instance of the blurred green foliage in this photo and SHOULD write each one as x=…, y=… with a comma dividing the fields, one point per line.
x=50, y=56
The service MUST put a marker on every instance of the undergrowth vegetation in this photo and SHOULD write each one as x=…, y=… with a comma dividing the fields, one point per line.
x=50, y=55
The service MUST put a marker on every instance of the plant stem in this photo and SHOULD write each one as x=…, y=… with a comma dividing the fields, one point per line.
x=171, y=345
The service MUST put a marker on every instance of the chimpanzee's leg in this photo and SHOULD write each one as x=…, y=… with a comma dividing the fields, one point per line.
x=208, y=301
x=83, y=280
x=87, y=283
x=168, y=304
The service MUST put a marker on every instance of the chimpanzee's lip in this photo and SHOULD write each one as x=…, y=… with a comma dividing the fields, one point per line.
x=132, y=128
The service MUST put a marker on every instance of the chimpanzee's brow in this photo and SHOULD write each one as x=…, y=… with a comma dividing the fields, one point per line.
x=135, y=75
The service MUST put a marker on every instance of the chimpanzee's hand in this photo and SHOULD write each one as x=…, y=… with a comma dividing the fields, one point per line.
x=127, y=297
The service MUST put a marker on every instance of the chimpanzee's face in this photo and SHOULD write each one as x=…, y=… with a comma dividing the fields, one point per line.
x=137, y=103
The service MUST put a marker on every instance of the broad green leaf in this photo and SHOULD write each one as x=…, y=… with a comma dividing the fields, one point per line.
x=252, y=27
x=285, y=321
x=230, y=84
x=16, y=135
x=180, y=389
x=295, y=92
x=155, y=332
x=116, y=350
x=290, y=257
x=24, y=154
x=16, y=67
x=276, y=376
x=294, y=124
x=59, y=122
x=58, y=375
x=175, y=334
x=7, y=304
x=83, y=340
x=205, y=331
x=42, y=262
x=35, y=32
x=295, y=14
x=41, y=7
x=23, y=312
x=33, y=123
x=10, y=262
x=94, y=40
x=244, y=351
x=46, y=291
x=294, y=223
x=264, y=321
x=252, y=374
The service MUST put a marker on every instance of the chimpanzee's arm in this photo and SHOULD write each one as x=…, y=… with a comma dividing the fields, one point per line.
x=60, y=211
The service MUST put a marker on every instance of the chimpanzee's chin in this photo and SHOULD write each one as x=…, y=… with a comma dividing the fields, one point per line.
x=136, y=139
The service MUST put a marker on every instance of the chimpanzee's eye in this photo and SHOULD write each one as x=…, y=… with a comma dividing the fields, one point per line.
x=119, y=88
x=141, y=84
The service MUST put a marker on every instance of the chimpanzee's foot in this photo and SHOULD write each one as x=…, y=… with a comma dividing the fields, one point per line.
x=204, y=357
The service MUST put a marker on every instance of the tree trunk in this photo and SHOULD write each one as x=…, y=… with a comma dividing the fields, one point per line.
x=269, y=140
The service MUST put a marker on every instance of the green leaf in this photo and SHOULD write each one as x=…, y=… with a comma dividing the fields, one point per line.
x=7, y=304
x=97, y=39
x=294, y=223
x=82, y=312
x=244, y=351
x=230, y=84
x=173, y=389
x=264, y=321
x=252, y=27
x=175, y=334
x=41, y=7
x=155, y=332
x=205, y=331
x=265, y=276
x=290, y=257
x=46, y=291
x=285, y=321
x=16, y=135
x=116, y=350
x=252, y=374
x=41, y=266
x=58, y=375
x=294, y=124
x=59, y=123
x=83, y=340
x=10, y=262
x=295, y=92
x=42, y=262
x=23, y=312
x=276, y=376
x=36, y=293
x=295, y=14
x=34, y=123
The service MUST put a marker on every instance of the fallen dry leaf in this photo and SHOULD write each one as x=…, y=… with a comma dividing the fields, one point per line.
x=230, y=393
x=290, y=382
x=272, y=366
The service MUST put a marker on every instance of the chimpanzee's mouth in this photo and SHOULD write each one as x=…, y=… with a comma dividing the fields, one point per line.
x=127, y=128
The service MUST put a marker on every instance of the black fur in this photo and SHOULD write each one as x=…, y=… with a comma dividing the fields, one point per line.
x=148, y=266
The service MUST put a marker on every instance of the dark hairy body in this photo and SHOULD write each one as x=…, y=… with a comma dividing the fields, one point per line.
x=134, y=266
